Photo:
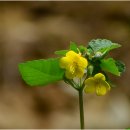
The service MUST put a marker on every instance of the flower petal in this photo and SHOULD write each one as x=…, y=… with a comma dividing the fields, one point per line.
x=99, y=76
x=102, y=88
x=72, y=55
x=69, y=75
x=71, y=69
x=64, y=62
x=79, y=72
x=82, y=62
x=90, y=86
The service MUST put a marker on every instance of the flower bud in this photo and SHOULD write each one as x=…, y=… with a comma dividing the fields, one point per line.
x=90, y=69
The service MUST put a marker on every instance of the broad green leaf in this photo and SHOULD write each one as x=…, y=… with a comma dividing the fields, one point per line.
x=73, y=47
x=109, y=65
x=61, y=52
x=41, y=72
x=102, y=45
x=121, y=66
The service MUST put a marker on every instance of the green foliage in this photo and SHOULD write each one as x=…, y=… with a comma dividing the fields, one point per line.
x=61, y=52
x=90, y=53
x=41, y=72
x=102, y=45
x=121, y=66
x=90, y=70
x=82, y=49
x=73, y=47
x=109, y=65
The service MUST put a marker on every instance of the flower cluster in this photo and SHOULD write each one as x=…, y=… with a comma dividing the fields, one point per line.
x=90, y=65
x=75, y=66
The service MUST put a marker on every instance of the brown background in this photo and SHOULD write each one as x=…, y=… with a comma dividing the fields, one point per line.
x=34, y=30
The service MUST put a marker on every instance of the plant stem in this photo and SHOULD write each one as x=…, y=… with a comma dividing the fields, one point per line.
x=81, y=108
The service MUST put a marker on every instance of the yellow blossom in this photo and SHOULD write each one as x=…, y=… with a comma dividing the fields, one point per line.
x=97, y=84
x=74, y=64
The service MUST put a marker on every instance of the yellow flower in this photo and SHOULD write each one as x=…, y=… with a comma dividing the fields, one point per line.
x=74, y=64
x=97, y=84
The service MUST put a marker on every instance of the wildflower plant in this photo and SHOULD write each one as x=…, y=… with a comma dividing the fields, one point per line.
x=83, y=68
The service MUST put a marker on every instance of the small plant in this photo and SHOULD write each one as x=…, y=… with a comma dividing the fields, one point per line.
x=83, y=68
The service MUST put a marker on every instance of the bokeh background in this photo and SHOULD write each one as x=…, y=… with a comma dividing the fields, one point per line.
x=34, y=30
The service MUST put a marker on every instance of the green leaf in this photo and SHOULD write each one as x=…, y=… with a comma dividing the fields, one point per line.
x=82, y=49
x=73, y=47
x=41, y=72
x=109, y=65
x=89, y=51
x=102, y=45
x=61, y=52
x=121, y=66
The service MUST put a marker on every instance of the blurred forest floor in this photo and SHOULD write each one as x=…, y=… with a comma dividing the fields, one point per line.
x=34, y=30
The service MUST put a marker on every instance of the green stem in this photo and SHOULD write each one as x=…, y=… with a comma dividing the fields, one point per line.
x=81, y=108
